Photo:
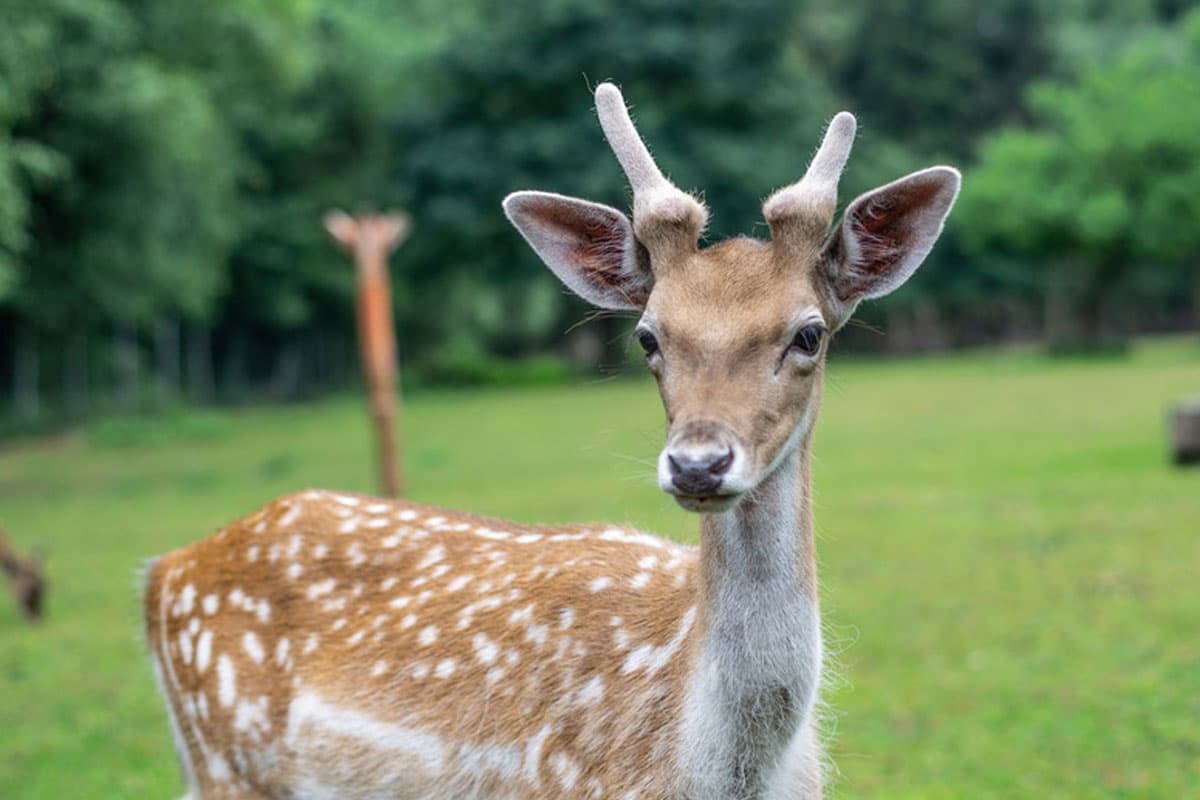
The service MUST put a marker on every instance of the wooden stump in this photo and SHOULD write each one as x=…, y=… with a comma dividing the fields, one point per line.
x=1185, y=432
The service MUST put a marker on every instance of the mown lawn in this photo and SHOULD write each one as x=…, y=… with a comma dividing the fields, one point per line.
x=1011, y=570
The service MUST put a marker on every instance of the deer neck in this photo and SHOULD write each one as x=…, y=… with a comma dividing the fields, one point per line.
x=759, y=654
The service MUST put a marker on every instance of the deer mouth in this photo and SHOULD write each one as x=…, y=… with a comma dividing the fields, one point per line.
x=707, y=503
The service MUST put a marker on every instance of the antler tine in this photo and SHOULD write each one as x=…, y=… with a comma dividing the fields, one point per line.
x=624, y=140
x=655, y=198
x=815, y=195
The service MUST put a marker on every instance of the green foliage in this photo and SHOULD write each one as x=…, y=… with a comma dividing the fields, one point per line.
x=166, y=163
x=1008, y=564
x=1105, y=184
x=510, y=100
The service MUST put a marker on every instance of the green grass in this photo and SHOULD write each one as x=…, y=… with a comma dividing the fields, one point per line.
x=1010, y=568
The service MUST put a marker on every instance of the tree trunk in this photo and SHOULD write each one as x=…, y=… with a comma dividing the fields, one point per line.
x=1196, y=293
x=233, y=371
x=167, y=368
x=75, y=374
x=125, y=361
x=26, y=394
x=199, y=363
x=285, y=376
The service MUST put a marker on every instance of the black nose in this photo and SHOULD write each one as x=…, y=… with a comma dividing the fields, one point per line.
x=699, y=474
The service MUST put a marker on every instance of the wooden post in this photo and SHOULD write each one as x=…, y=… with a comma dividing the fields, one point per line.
x=369, y=240
x=1185, y=432
x=24, y=577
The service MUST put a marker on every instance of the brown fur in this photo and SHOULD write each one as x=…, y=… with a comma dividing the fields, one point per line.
x=612, y=742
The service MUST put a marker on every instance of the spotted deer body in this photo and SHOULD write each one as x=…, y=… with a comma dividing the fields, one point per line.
x=341, y=646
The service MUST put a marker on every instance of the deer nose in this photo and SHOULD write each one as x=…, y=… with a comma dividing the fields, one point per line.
x=699, y=473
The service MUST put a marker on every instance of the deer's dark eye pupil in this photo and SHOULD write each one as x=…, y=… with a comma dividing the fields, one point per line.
x=648, y=342
x=808, y=339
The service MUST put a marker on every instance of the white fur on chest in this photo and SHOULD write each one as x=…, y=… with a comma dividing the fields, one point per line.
x=747, y=725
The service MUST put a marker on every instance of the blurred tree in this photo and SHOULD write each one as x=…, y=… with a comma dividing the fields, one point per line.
x=510, y=101
x=1104, y=189
x=128, y=205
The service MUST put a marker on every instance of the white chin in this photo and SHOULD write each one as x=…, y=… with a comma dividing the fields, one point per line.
x=712, y=504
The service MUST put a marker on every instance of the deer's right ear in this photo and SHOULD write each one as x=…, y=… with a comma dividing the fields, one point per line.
x=589, y=246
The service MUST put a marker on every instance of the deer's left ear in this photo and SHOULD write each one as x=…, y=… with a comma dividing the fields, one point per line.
x=885, y=234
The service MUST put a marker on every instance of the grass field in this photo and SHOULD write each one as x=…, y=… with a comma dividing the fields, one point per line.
x=1010, y=568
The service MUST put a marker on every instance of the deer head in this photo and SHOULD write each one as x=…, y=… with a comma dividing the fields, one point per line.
x=736, y=334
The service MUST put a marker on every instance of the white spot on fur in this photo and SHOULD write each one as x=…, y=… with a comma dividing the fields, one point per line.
x=627, y=537
x=311, y=643
x=652, y=658
x=281, y=651
x=226, y=681
x=185, y=647
x=379, y=668
x=408, y=621
x=533, y=755
x=528, y=538
x=204, y=650
x=445, y=668
x=321, y=588
x=294, y=570
x=485, y=649
x=253, y=647
x=321, y=550
x=346, y=500
x=566, y=618
x=592, y=691
x=290, y=516
x=565, y=769
x=427, y=636
x=210, y=604
x=187, y=598
x=252, y=715
x=600, y=584
x=407, y=515
x=488, y=533
x=458, y=583
x=309, y=711
x=640, y=580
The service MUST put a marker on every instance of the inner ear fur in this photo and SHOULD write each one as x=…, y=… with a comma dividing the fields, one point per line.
x=886, y=233
x=589, y=246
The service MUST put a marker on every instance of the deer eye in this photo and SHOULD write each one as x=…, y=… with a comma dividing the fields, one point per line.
x=807, y=340
x=648, y=342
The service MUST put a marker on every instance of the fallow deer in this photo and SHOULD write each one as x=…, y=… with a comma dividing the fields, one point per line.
x=334, y=645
